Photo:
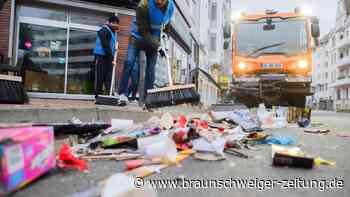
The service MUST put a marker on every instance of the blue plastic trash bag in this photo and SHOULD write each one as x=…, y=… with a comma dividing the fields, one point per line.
x=281, y=140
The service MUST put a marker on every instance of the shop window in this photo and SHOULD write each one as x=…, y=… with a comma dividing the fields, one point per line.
x=80, y=74
x=42, y=13
x=42, y=57
x=42, y=53
x=88, y=18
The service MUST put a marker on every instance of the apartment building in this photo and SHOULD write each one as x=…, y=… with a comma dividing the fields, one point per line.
x=331, y=75
x=213, y=22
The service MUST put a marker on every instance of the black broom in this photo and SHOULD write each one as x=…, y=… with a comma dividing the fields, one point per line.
x=110, y=99
x=12, y=90
x=173, y=94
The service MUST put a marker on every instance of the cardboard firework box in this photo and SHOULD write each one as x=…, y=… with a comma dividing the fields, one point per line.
x=25, y=154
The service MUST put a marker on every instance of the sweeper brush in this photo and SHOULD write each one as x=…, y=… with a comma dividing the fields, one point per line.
x=173, y=94
x=11, y=86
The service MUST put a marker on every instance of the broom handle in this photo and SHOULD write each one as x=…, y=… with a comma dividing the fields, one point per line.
x=114, y=68
x=163, y=47
x=169, y=69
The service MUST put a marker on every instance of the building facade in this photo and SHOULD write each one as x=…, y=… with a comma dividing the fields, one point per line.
x=52, y=41
x=331, y=73
x=214, y=20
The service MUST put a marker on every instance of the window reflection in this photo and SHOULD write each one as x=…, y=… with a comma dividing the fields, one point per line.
x=41, y=57
x=42, y=13
x=81, y=61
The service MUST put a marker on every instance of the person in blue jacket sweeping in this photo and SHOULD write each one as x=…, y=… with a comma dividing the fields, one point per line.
x=104, y=54
x=151, y=16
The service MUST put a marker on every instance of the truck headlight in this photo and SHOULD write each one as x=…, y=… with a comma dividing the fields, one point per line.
x=303, y=64
x=242, y=66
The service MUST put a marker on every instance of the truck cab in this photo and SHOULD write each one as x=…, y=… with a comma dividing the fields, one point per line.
x=272, y=57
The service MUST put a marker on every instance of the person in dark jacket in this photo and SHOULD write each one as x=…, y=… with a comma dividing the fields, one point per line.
x=104, y=54
x=151, y=16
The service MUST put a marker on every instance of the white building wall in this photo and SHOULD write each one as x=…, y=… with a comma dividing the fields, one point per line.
x=199, y=14
x=331, y=78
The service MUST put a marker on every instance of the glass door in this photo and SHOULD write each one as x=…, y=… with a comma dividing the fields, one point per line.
x=81, y=61
x=83, y=27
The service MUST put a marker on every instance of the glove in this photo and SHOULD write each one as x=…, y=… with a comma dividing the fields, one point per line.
x=153, y=43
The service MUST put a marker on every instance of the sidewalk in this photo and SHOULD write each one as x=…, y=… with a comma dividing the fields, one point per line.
x=54, y=110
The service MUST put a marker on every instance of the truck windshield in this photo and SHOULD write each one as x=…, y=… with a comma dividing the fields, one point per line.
x=288, y=37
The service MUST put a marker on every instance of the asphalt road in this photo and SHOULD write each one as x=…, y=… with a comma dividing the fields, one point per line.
x=257, y=167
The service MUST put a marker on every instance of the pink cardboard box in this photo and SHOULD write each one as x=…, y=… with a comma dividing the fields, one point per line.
x=26, y=154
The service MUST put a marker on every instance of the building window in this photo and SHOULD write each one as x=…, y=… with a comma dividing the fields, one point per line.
x=213, y=12
x=341, y=55
x=213, y=42
x=338, y=94
x=326, y=64
x=333, y=41
x=326, y=75
x=42, y=13
x=55, y=48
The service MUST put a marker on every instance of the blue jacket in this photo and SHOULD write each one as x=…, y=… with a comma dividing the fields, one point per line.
x=156, y=19
x=105, y=42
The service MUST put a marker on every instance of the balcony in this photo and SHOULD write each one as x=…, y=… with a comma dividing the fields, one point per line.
x=344, y=62
x=342, y=81
x=343, y=43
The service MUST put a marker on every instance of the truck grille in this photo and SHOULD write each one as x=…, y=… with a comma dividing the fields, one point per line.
x=267, y=66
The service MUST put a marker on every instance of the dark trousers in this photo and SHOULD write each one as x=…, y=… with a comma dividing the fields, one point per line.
x=134, y=49
x=103, y=74
x=135, y=75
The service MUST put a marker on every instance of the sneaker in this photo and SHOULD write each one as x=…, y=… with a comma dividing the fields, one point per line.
x=123, y=98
